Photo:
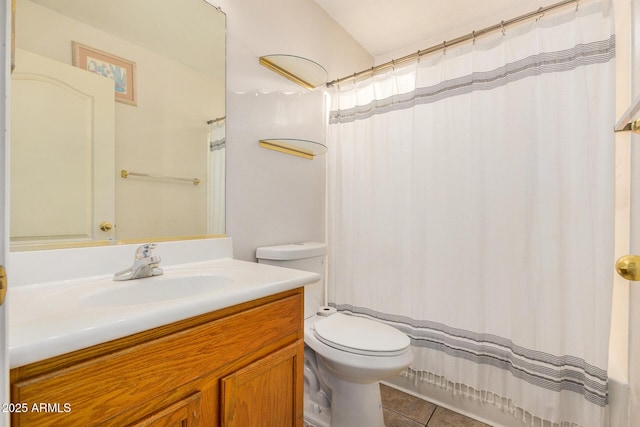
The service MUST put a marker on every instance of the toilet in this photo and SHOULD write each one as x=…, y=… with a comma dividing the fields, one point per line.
x=345, y=356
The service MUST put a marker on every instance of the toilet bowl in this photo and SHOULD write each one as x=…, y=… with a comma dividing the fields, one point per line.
x=352, y=362
x=345, y=356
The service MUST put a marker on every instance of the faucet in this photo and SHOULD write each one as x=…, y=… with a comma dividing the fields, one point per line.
x=144, y=265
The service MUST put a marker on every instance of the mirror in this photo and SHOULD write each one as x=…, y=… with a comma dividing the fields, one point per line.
x=118, y=118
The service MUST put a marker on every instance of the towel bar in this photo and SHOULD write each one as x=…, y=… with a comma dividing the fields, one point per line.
x=125, y=174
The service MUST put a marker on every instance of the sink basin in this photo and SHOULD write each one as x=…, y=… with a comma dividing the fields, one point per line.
x=157, y=289
x=60, y=316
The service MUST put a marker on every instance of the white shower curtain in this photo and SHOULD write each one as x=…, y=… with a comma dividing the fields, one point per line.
x=471, y=206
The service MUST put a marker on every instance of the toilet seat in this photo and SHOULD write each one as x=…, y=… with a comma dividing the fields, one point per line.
x=360, y=336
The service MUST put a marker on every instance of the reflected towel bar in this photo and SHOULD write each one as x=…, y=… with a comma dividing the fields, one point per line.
x=125, y=174
x=219, y=119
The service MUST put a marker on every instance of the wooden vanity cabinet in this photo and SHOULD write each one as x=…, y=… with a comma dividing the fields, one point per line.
x=240, y=366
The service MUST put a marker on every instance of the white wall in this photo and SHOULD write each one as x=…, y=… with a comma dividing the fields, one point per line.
x=273, y=198
x=628, y=92
x=294, y=27
x=621, y=385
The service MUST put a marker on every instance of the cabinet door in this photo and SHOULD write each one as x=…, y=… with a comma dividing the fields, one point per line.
x=266, y=393
x=184, y=413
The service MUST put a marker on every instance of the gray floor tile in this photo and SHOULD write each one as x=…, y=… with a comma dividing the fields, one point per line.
x=410, y=406
x=404, y=410
x=445, y=418
x=393, y=419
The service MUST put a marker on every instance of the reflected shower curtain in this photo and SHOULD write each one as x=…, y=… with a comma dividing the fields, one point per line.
x=217, y=172
x=471, y=206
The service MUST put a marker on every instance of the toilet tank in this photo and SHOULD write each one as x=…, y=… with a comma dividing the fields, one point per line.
x=307, y=256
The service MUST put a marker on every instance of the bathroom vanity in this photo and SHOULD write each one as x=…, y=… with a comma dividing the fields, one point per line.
x=90, y=352
x=222, y=368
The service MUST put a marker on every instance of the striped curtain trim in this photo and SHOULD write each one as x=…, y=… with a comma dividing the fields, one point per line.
x=548, y=371
x=598, y=52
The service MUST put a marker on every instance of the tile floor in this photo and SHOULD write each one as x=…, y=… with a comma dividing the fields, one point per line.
x=404, y=410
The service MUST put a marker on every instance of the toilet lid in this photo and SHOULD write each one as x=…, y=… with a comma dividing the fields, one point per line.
x=361, y=336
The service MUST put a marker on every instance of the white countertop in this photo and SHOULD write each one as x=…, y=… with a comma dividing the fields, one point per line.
x=50, y=319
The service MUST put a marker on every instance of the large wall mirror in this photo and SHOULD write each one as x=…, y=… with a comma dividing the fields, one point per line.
x=118, y=118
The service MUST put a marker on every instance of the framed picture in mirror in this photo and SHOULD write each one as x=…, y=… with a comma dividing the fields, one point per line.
x=120, y=70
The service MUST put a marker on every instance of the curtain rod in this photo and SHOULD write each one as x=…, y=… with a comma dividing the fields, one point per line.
x=471, y=36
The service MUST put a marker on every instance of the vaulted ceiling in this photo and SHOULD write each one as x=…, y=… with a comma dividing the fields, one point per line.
x=384, y=27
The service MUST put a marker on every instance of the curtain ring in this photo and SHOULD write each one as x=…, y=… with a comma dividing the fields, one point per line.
x=393, y=65
x=541, y=14
x=473, y=34
x=504, y=32
x=418, y=56
x=444, y=47
x=577, y=4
